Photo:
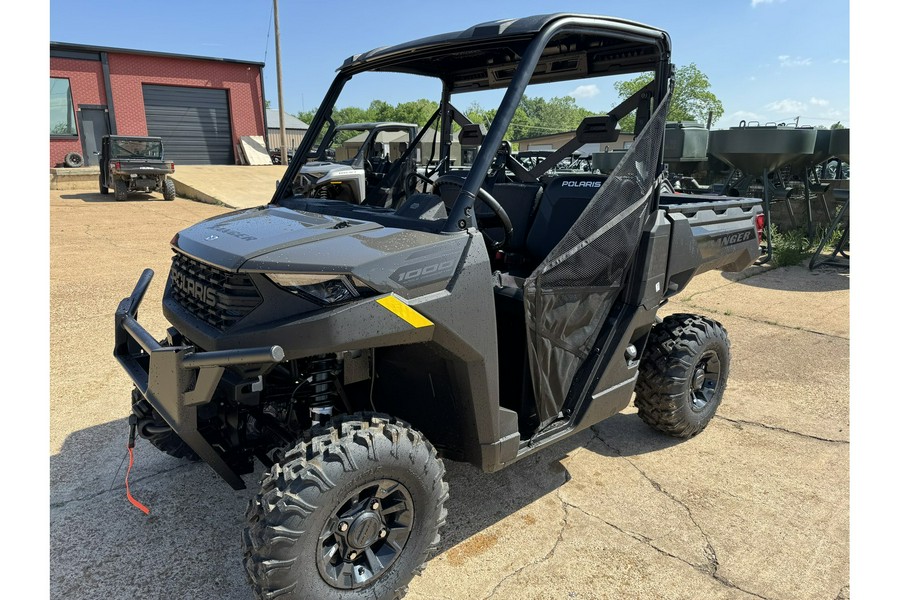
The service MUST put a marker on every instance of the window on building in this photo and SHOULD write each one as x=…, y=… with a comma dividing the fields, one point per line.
x=62, y=112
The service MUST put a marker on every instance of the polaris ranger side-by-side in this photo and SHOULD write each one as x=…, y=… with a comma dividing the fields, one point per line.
x=476, y=314
x=135, y=164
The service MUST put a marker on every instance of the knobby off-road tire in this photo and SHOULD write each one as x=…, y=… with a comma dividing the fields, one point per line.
x=167, y=441
x=353, y=511
x=73, y=160
x=683, y=374
x=103, y=189
x=121, y=190
x=168, y=189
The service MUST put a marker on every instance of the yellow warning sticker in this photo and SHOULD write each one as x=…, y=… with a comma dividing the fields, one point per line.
x=404, y=311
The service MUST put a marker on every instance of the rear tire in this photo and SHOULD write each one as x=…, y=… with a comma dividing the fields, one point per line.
x=121, y=190
x=168, y=189
x=167, y=441
x=683, y=374
x=352, y=512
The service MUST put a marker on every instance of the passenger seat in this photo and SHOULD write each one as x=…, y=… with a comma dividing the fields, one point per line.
x=564, y=199
x=559, y=207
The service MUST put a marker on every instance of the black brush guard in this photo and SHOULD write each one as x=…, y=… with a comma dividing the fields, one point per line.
x=175, y=380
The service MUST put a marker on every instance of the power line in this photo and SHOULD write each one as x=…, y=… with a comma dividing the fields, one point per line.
x=268, y=33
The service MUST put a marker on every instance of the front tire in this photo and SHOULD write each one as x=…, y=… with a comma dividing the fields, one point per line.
x=352, y=512
x=103, y=189
x=683, y=374
x=161, y=437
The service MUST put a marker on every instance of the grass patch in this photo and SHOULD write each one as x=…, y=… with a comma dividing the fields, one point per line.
x=789, y=248
x=792, y=247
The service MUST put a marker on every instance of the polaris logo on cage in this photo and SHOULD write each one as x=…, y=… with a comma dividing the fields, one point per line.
x=579, y=184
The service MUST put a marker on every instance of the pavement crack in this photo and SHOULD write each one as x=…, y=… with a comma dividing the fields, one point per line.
x=782, y=430
x=757, y=320
x=709, y=551
x=117, y=488
x=565, y=523
x=711, y=568
x=109, y=240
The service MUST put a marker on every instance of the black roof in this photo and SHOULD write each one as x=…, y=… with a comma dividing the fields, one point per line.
x=462, y=56
x=83, y=51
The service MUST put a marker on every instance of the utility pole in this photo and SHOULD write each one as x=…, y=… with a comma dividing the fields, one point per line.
x=278, y=75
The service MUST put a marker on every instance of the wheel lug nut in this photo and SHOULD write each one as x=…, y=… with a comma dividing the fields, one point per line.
x=382, y=533
x=343, y=526
x=353, y=556
x=375, y=505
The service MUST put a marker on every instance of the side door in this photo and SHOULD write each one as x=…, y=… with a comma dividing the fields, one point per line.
x=94, y=125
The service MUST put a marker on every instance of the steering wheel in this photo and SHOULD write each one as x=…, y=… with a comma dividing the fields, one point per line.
x=409, y=184
x=491, y=203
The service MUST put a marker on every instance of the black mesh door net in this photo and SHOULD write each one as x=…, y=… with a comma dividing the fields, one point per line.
x=570, y=293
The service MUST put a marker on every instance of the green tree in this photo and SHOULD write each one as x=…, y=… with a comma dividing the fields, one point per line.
x=545, y=117
x=307, y=115
x=692, y=99
x=838, y=125
x=379, y=110
x=417, y=111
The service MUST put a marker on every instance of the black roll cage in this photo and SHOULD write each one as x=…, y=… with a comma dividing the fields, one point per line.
x=462, y=217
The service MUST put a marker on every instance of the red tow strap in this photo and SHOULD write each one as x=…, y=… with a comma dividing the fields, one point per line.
x=127, y=489
x=141, y=507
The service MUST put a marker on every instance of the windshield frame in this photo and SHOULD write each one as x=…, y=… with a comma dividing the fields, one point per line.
x=462, y=215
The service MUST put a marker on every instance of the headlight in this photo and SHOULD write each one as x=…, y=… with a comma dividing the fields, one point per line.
x=324, y=287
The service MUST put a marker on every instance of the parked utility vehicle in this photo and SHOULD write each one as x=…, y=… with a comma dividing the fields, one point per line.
x=479, y=316
x=135, y=164
x=354, y=172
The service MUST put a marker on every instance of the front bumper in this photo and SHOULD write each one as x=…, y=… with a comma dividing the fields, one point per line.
x=175, y=380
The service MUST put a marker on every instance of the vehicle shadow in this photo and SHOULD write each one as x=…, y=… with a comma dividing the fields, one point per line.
x=189, y=545
x=98, y=197
x=798, y=278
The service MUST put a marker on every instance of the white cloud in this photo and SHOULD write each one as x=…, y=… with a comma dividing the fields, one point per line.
x=585, y=91
x=793, y=61
x=734, y=119
x=818, y=101
x=786, y=106
x=755, y=3
x=841, y=61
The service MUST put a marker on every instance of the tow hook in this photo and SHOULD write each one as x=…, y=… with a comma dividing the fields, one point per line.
x=132, y=424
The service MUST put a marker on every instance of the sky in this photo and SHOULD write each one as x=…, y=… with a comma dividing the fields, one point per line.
x=767, y=60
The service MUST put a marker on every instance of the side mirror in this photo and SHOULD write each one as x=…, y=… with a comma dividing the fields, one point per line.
x=277, y=183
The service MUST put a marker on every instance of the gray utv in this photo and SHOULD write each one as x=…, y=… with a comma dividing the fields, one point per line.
x=135, y=164
x=475, y=314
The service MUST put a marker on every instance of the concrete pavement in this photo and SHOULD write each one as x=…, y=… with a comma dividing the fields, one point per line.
x=756, y=506
x=231, y=186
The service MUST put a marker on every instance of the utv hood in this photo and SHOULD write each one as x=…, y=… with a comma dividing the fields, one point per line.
x=282, y=240
x=231, y=240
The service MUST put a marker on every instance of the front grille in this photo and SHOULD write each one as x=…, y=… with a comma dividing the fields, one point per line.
x=217, y=297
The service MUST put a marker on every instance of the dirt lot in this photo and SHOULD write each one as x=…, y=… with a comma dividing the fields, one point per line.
x=757, y=506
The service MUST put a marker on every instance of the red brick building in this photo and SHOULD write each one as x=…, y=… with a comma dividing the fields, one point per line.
x=200, y=106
